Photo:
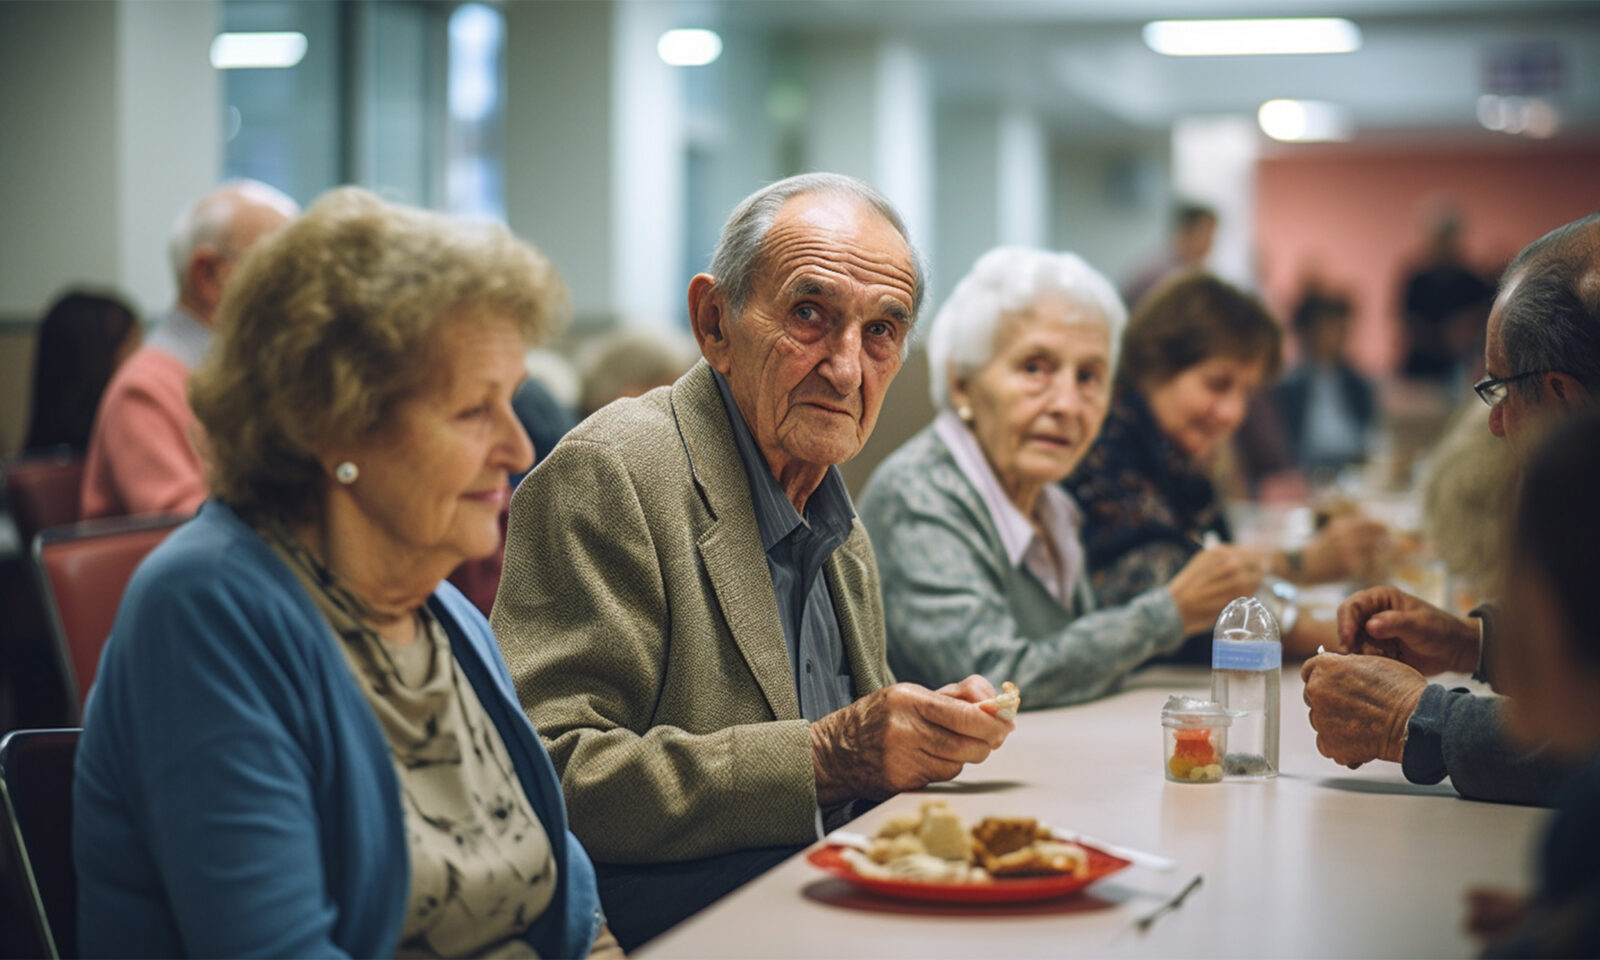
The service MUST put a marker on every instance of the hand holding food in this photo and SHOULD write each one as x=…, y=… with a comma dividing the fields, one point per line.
x=1211, y=579
x=1004, y=704
x=1360, y=706
x=1389, y=622
x=899, y=738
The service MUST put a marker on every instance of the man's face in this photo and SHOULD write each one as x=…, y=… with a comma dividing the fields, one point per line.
x=822, y=333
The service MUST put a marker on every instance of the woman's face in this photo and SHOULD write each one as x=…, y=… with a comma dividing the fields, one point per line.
x=1203, y=405
x=1040, y=400
x=434, y=478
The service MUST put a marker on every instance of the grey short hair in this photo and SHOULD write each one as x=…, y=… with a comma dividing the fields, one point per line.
x=739, y=249
x=1552, y=320
x=1004, y=281
x=207, y=220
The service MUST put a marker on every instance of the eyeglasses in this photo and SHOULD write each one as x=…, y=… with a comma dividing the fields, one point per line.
x=1492, y=390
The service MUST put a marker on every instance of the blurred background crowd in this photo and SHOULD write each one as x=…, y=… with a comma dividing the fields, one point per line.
x=1369, y=195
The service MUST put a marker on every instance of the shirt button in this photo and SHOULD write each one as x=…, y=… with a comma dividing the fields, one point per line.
x=810, y=667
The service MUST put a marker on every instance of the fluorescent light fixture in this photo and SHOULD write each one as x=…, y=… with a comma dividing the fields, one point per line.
x=1520, y=116
x=245, y=51
x=1303, y=121
x=689, y=48
x=1221, y=38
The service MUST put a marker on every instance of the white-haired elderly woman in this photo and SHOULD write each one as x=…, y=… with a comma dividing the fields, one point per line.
x=977, y=544
x=301, y=742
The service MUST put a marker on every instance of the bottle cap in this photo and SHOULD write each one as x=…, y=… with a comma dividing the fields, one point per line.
x=1182, y=711
x=1246, y=619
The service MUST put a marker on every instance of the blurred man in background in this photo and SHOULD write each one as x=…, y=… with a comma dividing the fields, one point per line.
x=142, y=455
x=1194, y=228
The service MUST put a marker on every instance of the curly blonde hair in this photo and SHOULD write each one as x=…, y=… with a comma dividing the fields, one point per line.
x=327, y=325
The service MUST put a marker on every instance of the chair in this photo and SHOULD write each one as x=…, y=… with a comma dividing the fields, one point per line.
x=84, y=568
x=42, y=491
x=37, y=876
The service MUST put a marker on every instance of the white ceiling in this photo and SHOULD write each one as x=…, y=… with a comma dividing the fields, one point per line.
x=1083, y=64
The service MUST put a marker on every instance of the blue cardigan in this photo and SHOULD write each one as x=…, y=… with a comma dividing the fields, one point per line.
x=234, y=793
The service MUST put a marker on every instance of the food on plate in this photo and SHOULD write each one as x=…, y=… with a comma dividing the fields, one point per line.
x=1194, y=756
x=1020, y=847
x=934, y=845
x=1003, y=704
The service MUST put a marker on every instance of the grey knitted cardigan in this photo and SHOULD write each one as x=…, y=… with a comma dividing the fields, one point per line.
x=954, y=605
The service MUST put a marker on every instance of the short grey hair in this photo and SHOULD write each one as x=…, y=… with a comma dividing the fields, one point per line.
x=208, y=219
x=1005, y=281
x=1552, y=320
x=739, y=249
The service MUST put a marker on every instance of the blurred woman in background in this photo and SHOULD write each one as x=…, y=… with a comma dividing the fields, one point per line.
x=1193, y=356
x=81, y=342
x=977, y=545
x=300, y=741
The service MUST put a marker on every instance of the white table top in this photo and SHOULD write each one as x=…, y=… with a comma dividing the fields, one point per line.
x=1321, y=862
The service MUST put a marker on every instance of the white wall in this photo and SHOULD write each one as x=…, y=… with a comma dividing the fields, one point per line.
x=1111, y=203
x=559, y=143
x=111, y=117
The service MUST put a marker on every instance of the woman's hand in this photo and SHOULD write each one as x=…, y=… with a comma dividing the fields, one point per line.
x=1211, y=580
x=1350, y=547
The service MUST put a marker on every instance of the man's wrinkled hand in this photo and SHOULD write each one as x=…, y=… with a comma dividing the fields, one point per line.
x=901, y=738
x=1360, y=706
x=1388, y=622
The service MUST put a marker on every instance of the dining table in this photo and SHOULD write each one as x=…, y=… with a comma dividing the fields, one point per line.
x=1320, y=861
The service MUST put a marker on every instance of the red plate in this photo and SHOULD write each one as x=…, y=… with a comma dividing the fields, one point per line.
x=1002, y=890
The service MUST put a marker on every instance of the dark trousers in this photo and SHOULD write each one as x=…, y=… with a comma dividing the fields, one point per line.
x=643, y=899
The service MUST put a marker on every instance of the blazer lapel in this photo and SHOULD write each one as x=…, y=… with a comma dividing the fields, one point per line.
x=730, y=546
x=847, y=580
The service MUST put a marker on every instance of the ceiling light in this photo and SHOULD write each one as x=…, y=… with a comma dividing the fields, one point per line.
x=1303, y=121
x=244, y=51
x=689, y=48
x=1217, y=38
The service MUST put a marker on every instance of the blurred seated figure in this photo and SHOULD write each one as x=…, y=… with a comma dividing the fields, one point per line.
x=1325, y=406
x=1542, y=354
x=1551, y=670
x=1194, y=228
x=976, y=542
x=142, y=454
x=628, y=363
x=82, y=341
x=1444, y=303
x=1464, y=497
x=302, y=743
x=1193, y=356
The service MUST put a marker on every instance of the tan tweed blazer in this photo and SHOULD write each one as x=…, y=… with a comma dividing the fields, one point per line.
x=636, y=613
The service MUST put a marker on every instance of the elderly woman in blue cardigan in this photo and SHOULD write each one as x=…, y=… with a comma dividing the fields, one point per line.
x=977, y=545
x=301, y=741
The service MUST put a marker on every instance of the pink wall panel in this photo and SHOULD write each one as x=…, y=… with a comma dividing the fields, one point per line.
x=1353, y=216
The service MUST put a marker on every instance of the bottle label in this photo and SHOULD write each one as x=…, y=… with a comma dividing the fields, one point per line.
x=1246, y=655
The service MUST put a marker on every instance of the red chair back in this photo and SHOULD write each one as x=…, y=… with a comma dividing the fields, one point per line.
x=42, y=491
x=85, y=568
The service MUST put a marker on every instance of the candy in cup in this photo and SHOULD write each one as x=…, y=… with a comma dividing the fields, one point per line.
x=1194, y=735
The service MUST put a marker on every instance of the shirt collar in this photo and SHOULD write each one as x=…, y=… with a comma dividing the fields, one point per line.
x=1057, y=513
x=181, y=335
x=829, y=511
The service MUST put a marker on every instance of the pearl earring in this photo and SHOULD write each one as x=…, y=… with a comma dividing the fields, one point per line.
x=346, y=473
x=965, y=413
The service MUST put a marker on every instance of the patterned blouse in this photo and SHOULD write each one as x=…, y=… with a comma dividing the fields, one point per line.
x=1147, y=506
x=481, y=864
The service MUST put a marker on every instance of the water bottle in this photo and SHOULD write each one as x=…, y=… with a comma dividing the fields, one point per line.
x=1246, y=666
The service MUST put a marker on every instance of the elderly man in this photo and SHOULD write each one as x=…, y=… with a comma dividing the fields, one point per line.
x=689, y=608
x=142, y=457
x=1542, y=357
